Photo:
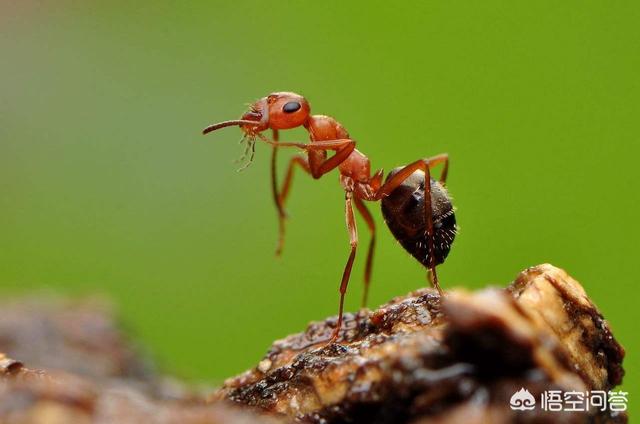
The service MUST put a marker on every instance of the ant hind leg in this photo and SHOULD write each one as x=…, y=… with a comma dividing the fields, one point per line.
x=432, y=276
x=392, y=183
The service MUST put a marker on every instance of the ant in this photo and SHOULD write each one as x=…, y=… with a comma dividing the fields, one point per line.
x=416, y=208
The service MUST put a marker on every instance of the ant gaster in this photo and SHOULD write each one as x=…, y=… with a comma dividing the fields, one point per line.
x=419, y=215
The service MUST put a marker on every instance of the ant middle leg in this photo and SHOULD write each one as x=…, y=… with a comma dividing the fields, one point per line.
x=394, y=182
x=366, y=215
x=353, y=241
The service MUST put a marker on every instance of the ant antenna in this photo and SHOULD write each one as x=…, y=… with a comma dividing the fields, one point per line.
x=231, y=123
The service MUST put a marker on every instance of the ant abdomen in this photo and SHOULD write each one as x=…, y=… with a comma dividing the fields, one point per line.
x=403, y=211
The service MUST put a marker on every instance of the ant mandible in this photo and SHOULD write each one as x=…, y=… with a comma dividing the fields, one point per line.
x=416, y=208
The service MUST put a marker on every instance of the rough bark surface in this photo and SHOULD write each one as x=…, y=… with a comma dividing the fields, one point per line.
x=419, y=358
x=423, y=358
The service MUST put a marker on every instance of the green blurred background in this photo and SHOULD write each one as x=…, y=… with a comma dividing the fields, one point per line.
x=106, y=184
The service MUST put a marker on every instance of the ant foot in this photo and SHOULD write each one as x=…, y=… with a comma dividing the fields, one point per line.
x=334, y=336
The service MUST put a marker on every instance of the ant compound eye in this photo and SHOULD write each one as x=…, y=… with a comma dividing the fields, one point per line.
x=291, y=107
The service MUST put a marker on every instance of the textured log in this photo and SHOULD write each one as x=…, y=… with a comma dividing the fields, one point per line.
x=421, y=358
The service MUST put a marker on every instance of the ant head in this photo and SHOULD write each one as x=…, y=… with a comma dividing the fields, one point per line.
x=285, y=110
x=278, y=111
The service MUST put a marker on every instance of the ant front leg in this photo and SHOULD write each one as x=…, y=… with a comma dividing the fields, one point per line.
x=366, y=215
x=274, y=183
x=284, y=193
x=280, y=197
x=394, y=182
x=277, y=198
x=320, y=166
x=315, y=165
x=353, y=241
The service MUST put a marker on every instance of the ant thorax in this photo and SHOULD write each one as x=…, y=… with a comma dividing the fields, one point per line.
x=322, y=127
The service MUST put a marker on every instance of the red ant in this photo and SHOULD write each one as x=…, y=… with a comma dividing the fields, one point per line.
x=419, y=215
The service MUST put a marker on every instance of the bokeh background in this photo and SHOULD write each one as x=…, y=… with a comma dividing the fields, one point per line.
x=107, y=186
